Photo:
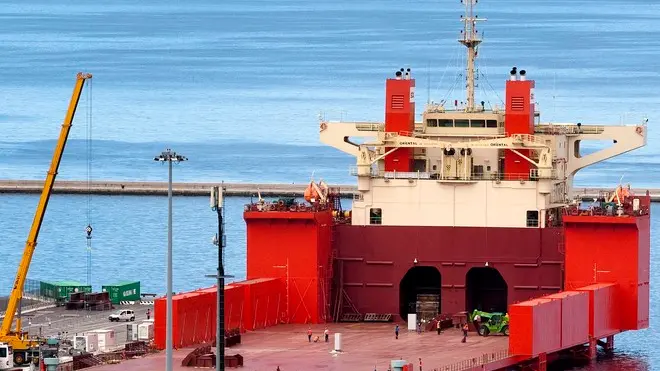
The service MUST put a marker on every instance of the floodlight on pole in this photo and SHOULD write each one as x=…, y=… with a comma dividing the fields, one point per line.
x=169, y=156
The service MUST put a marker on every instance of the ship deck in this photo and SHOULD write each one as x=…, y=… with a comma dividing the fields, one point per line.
x=365, y=347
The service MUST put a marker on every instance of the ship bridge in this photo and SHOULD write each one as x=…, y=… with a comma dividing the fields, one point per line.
x=469, y=166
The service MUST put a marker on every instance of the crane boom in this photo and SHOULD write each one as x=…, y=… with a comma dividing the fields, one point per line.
x=6, y=334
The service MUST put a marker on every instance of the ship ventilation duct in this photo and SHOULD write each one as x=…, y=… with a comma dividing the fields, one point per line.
x=523, y=75
x=514, y=72
x=398, y=75
x=408, y=74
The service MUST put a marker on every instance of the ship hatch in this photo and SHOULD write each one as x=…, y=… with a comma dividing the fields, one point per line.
x=420, y=293
x=486, y=290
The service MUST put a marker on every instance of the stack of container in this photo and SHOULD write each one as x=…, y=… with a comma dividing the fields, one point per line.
x=427, y=307
x=123, y=291
x=60, y=290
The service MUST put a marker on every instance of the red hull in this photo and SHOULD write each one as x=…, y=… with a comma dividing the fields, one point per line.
x=376, y=259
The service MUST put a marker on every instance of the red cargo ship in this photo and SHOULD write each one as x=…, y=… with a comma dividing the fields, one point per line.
x=471, y=208
x=465, y=209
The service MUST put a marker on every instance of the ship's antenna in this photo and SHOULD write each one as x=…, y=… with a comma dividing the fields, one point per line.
x=470, y=39
x=428, y=83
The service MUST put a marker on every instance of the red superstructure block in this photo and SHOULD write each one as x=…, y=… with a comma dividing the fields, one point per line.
x=399, y=118
x=535, y=327
x=611, y=249
x=519, y=119
x=294, y=246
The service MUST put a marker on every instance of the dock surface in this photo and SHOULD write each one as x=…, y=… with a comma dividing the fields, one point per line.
x=112, y=187
x=67, y=323
x=366, y=346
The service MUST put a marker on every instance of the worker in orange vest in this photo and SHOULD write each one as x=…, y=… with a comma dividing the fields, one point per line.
x=465, y=333
x=309, y=334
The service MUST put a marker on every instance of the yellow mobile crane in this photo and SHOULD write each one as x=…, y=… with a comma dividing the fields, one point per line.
x=24, y=347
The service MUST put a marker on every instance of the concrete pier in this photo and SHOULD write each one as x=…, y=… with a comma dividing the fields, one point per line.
x=112, y=187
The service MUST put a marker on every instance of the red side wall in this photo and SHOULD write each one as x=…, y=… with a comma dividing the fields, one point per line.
x=236, y=308
x=519, y=119
x=249, y=305
x=534, y=327
x=574, y=317
x=265, y=302
x=399, y=116
x=193, y=320
x=605, y=313
x=374, y=263
x=294, y=246
x=612, y=250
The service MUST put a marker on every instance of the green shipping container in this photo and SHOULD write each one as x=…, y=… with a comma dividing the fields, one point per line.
x=60, y=290
x=123, y=291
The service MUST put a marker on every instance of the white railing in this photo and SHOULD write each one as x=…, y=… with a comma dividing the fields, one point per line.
x=369, y=126
x=533, y=175
x=568, y=129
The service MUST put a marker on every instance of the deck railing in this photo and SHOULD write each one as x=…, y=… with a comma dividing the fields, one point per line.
x=436, y=175
x=468, y=364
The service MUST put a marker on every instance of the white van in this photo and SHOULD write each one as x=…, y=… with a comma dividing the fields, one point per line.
x=122, y=315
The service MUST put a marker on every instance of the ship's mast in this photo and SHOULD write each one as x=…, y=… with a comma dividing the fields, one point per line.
x=471, y=41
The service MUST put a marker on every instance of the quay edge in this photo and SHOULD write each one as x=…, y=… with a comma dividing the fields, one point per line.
x=160, y=188
x=138, y=188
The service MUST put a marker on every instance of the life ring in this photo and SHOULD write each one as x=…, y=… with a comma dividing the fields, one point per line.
x=639, y=130
x=324, y=126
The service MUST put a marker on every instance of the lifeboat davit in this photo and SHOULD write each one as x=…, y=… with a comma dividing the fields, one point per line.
x=311, y=193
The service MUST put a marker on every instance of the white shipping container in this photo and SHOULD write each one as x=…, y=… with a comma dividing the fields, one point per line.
x=106, y=339
x=87, y=342
x=133, y=329
x=146, y=331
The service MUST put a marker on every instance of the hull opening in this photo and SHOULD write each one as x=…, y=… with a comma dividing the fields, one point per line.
x=419, y=293
x=486, y=290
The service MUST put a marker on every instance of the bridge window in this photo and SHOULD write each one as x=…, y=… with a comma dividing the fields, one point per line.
x=533, y=218
x=375, y=216
x=3, y=352
x=432, y=123
x=462, y=123
x=491, y=123
x=478, y=123
x=444, y=123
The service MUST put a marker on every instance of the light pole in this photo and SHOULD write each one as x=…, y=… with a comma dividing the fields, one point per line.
x=169, y=157
x=217, y=205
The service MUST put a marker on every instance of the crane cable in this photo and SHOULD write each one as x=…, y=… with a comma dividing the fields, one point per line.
x=88, y=141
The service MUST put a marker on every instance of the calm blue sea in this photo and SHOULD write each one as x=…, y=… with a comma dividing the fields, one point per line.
x=238, y=87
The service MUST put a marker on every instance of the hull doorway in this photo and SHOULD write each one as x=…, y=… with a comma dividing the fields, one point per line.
x=419, y=293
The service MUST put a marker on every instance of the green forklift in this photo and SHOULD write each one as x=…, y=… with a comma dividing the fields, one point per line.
x=491, y=322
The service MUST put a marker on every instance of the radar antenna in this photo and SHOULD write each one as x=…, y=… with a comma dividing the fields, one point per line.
x=470, y=39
